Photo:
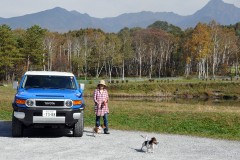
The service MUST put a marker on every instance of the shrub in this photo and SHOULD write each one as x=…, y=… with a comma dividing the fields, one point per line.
x=90, y=82
x=151, y=80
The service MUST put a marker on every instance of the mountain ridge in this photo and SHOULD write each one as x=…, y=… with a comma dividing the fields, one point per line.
x=217, y=10
x=61, y=20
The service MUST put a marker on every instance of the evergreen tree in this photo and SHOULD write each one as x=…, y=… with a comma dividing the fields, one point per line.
x=176, y=31
x=8, y=52
x=33, y=47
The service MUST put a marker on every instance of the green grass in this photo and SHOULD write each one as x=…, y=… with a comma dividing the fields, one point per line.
x=168, y=117
x=6, y=98
x=214, y=120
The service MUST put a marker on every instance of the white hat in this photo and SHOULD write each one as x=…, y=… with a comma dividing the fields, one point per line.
x=102, y=82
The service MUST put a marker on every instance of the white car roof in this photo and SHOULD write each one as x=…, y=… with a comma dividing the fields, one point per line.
x=48, y=73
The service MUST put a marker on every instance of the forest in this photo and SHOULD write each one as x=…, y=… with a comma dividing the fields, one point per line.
x=160, y=50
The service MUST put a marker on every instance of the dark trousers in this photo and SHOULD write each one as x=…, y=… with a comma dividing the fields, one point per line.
x=105, y=121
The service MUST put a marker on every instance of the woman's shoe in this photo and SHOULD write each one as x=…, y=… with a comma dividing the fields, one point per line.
x=106, y=132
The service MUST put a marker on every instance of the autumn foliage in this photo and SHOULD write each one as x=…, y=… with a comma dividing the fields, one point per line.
x=160, y=50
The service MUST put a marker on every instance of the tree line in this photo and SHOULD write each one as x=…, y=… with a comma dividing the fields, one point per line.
x=160, y=50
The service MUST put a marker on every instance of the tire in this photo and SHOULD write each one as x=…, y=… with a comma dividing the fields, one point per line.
x=17, y=127
x=79, y=126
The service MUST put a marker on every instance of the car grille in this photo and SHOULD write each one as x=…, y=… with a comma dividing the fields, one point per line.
x=49, y=103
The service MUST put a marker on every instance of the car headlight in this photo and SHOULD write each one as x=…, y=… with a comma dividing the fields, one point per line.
x=29, y=103
x=68, y=103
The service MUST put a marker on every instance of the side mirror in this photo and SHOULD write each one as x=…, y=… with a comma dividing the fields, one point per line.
x=15, y=85
x=81, y=86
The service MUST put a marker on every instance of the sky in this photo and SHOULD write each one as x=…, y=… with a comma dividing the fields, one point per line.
x=104, y=8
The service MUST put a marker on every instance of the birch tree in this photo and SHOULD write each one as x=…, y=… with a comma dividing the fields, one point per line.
x=98, y=53
x=49, y=45
x=126, y=48
x=216, y=47
x=77, y=48
x=140, y=48
x=112, y=53
x=200, y=44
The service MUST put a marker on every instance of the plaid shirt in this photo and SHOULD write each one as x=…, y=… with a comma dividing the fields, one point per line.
x=100, y=107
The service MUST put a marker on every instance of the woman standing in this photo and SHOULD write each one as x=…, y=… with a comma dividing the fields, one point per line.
x=101, y=105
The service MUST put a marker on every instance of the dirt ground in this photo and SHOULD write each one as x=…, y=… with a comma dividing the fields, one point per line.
x=125, y=145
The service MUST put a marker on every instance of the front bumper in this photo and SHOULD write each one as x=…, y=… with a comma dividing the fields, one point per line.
x=30, y=116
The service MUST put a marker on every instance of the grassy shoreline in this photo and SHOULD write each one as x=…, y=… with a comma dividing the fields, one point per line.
x=181, y=89
x=195, y=119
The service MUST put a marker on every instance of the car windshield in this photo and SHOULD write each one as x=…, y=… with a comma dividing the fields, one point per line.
x=51, y=82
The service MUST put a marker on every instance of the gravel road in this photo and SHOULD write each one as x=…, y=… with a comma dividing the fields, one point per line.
x=125, y=145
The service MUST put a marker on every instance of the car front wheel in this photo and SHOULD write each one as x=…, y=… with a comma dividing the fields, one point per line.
x=17, y=127
x=79, y=126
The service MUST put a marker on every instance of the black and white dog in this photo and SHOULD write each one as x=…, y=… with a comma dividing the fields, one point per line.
x=149, y=144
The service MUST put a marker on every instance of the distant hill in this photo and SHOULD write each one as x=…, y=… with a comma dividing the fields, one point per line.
x=61, y=20
x=56, y=19
x=141, y=19
x=217, y=10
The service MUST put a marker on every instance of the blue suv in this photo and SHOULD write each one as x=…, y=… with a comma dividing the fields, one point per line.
x=48, y=99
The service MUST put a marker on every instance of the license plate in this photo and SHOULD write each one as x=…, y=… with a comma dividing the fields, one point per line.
x=49, y=113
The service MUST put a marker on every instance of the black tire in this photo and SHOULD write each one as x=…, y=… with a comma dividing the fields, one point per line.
x=17, y=127
x=79, y=126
